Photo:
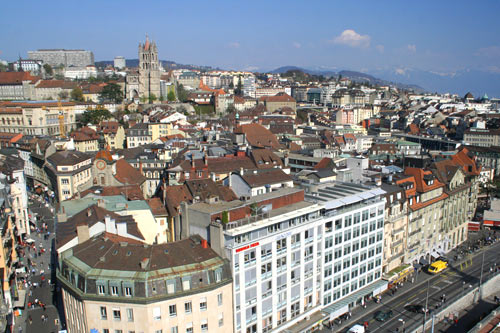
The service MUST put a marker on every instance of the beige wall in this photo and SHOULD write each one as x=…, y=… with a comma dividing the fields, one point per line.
x=143, y=320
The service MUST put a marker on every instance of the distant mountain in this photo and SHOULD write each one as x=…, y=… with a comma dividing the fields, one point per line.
x=165, y=63
x=459, y=82
x=352, y=75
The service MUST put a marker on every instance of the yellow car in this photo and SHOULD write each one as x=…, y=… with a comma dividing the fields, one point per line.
x=437, y=267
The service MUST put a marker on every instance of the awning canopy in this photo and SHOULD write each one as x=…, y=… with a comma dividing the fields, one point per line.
x=342, y=306
x=21, y=299
x=423, y=262
x=434, y=254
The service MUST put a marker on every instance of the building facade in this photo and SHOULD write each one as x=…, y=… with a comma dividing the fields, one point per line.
x=113, y=284
x=56, y=57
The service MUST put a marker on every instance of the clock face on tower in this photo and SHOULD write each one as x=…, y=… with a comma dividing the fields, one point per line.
x=101, y=165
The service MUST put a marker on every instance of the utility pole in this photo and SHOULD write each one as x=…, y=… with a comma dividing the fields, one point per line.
x=426, y=304
x=432, y=327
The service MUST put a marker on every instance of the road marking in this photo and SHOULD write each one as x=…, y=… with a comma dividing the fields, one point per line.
x=447, y=281
x=436, y=287
x=412, y=297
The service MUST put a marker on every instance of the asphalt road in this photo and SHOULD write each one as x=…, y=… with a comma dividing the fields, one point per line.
x=450, y=282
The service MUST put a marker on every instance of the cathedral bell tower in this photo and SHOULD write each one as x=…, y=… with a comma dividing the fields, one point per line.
x=149, y=70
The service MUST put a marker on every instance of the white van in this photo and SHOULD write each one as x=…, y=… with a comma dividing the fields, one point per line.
x=357, y=329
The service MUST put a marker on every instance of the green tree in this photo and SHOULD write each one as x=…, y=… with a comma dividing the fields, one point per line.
x=48, y=69
x=182, y=94
x=112, y=92
x=77, y=94
x=94, y=116
x=63, y=94
x=162, y=98
x=152, y=98
x=171, y=96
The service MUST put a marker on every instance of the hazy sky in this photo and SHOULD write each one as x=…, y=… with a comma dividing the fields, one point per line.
x=260, y=35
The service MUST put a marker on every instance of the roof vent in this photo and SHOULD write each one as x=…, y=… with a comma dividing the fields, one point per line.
x=166, y=251
x=102, y=259
x=123, y=244
x=129, y=253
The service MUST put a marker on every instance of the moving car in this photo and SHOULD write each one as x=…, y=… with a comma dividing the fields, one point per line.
x=383, y=315
x=417, y=308
x=437, y=267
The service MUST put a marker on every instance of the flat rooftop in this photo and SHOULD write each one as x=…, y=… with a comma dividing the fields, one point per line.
x=337, y=194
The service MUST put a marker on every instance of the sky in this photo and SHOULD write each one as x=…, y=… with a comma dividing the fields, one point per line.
x=440, y=36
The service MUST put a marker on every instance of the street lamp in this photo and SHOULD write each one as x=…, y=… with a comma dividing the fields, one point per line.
x=401, y=320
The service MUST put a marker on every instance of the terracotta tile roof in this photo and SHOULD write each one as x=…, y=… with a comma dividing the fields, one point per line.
x=265, y=177
x=84, y=134
x=419, y=175
x=325, y=162
x=239, y=100
x=127, y=174
x=258, y=136
x=109, y=126
x=174, y=195
x=11, y=110
x=468, y=164
x=56, y=84
x=265, y=158
x=16, y=78
x=206, y=188
x=67, y=231
x=157, y=206
x=181, y=256
x=104, y=155
x=280, y=97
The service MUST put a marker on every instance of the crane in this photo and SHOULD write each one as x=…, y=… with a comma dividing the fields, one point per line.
x=62, y=128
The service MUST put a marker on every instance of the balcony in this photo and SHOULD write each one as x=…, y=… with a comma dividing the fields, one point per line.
x=397, y=231
x=396, y=243
x=246, y=220
x=414, y=232
x=414, y=245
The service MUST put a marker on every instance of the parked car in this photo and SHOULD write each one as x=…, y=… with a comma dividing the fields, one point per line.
x=383, y=315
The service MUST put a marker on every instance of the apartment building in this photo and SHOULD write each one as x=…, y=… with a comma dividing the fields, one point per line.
x=395, y=227
x=37, y=117
x=138, y=135
x=116, y=284
x=482, y=137
x=69, y=172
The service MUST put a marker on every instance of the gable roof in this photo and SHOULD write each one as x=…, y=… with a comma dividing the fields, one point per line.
x=258, y=136
x=127, y=174
x=266, y=177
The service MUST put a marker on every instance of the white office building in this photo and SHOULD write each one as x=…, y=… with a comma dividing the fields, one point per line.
x=296, y=263
x=353, y=232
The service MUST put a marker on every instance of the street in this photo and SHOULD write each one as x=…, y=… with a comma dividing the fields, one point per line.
x=42, y=315
x=451, y=282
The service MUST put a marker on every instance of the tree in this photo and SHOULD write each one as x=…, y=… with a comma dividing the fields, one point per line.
x=152, y=98
x=171, y=96
x=3, y=67
x=182, y=94
x=63, y=94
x=95, y=116
x=111, y=92
x=48, y=69
x=162, y=98
x=77, y=94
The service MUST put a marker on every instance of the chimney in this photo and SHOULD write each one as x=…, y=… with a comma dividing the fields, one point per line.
x=241, y=171
x=101, y=203
x=212, y=175
x=61, y=216
x=109, y=224
x=121, y=228
x=192, y=161
x=89, y=212
x=204, y=244
x=82, y=232
x=184, y=221
x=140, y=167
x=205, y=159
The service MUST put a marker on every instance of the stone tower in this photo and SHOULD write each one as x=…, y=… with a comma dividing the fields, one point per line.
x=149, y=70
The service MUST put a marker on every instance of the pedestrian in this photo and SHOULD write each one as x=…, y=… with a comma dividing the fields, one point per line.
x=30, y=319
